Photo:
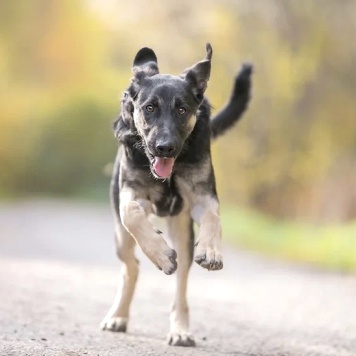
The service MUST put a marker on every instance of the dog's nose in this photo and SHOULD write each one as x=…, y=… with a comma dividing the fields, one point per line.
x=166, y=148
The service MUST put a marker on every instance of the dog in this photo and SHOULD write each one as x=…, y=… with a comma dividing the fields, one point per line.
x=164, y=167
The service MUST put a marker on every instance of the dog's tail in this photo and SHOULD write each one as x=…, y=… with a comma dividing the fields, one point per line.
x=237, y=104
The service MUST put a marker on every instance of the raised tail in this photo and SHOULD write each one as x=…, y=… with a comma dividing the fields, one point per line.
x=237, y=104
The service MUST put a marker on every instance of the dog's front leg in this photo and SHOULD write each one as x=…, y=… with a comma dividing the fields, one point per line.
x=133, y=212
x=180, y=230
x=206, y=213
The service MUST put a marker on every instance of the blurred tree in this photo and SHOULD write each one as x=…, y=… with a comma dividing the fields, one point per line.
x=53, y=65
x=62, y=65
x=303, y=112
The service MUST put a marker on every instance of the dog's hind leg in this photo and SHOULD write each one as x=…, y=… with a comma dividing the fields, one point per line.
x=180, y=229
x=117, y=317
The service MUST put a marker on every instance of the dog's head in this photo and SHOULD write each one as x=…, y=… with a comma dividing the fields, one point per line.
x=163, y=107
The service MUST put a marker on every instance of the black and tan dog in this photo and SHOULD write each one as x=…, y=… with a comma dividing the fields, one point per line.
x=164, y=167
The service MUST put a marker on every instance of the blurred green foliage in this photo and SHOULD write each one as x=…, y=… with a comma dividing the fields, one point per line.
x=63, y=65
x=58, y=97
x=329, y=246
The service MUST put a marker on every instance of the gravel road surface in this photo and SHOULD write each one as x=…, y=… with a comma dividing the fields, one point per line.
x=58, y=275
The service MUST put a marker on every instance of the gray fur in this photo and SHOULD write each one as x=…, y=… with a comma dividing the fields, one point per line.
x=165, y=120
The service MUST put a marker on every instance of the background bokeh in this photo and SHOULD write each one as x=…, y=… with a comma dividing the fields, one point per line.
x=286, y=173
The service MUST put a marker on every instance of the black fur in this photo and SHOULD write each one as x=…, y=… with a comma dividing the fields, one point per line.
x=194, y=148
x=196, y=145
x=237, y=104
x=164, y=166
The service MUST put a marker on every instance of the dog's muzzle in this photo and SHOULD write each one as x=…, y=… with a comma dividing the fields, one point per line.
x=163, y=157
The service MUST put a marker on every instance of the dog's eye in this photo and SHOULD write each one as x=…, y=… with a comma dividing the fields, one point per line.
x=150, y=108
x=182, y=111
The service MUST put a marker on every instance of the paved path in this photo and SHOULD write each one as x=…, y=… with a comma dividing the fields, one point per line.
x=58, y=276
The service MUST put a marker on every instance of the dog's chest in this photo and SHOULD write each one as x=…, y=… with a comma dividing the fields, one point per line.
x=166, y=198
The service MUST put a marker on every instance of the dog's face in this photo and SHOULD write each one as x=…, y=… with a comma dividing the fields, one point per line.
x=165, y=106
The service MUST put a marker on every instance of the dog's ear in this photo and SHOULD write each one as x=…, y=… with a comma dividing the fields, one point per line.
x=198, y=75
x=145, y=63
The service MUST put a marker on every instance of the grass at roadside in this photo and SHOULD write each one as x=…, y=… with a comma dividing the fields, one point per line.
x=329, y=246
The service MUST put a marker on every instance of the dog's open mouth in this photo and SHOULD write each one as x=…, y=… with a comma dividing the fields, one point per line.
x=163, y=166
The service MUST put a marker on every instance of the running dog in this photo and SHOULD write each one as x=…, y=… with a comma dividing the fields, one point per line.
x=164, y=167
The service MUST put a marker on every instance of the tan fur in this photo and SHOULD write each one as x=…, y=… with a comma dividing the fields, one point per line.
x=179, y=232
x=133, y=212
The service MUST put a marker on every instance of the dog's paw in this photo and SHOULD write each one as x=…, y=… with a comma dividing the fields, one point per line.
x=209, y=258
x=166, y=261
x=180, y=339
x=117, y=324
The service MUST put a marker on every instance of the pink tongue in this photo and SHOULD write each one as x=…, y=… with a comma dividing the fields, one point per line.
x=163, y=166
